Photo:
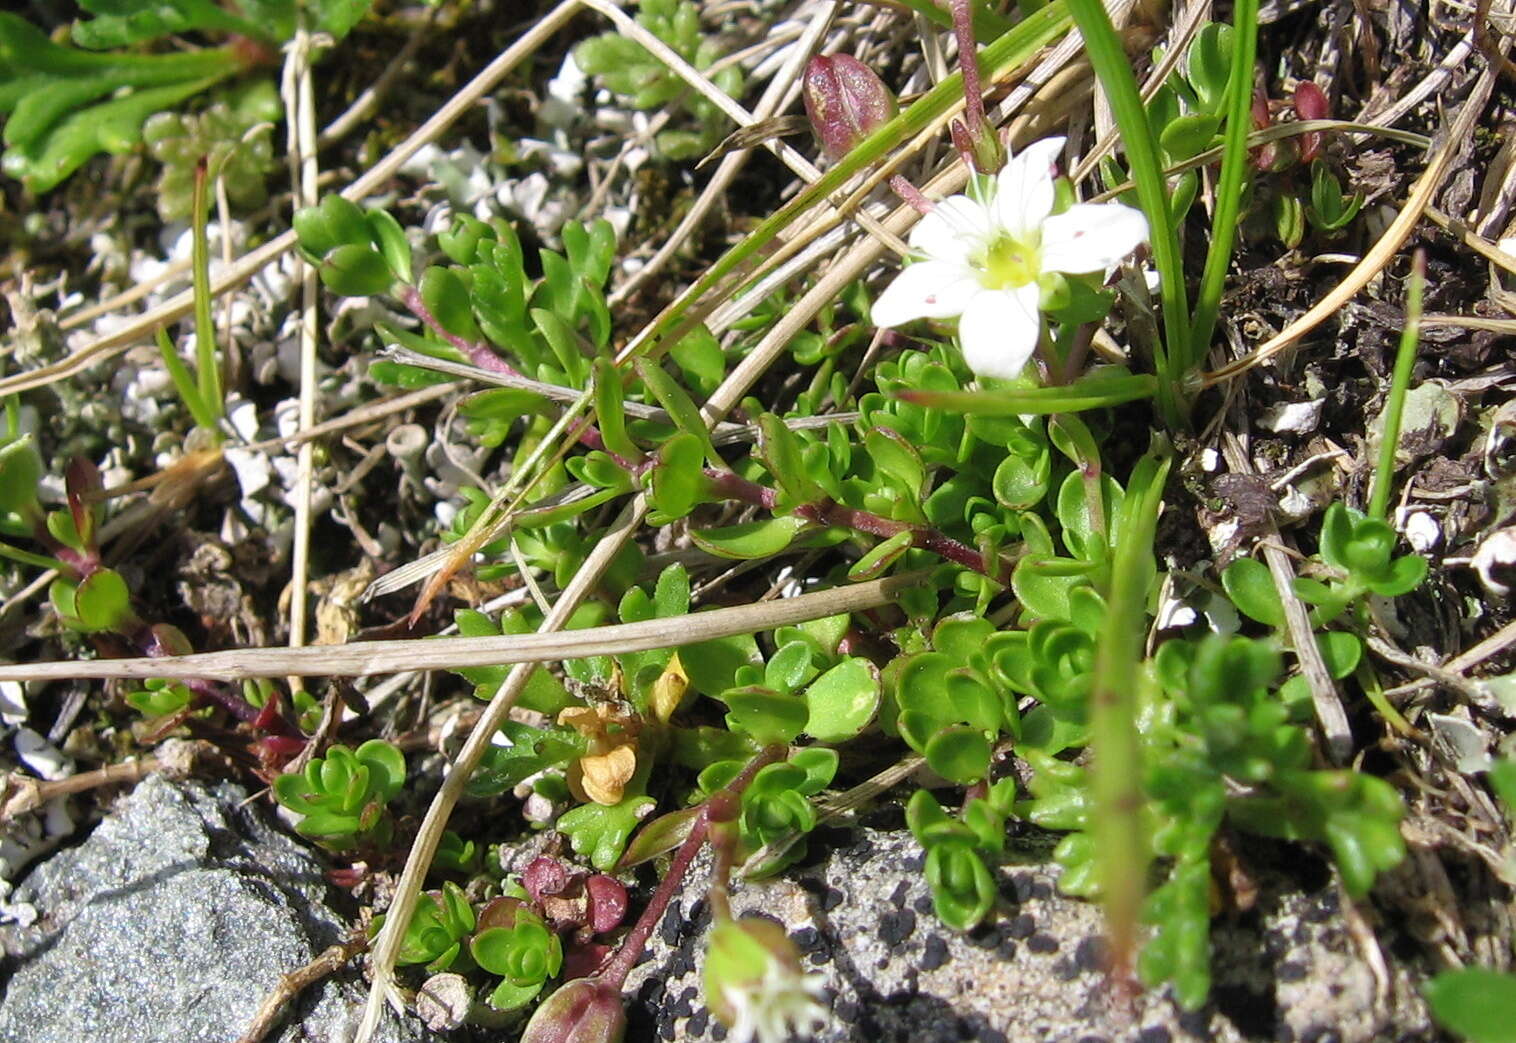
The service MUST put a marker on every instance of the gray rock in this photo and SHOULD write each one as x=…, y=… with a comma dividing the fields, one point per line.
x=862, y=917
x=171, y=923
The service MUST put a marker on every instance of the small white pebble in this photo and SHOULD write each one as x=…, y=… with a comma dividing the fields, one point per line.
x=1422, y=531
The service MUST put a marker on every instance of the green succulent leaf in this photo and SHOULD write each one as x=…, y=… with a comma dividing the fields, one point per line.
x=842, y=702
x=600, y=831
x=102, y=602
x=1477, y=1003
x=959, y=754
x=749, y=540
x=1250, y=586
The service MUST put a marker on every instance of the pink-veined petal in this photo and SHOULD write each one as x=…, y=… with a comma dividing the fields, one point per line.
x=1090, y=237
x=925, y=290
x=1024, y=188
x=953, y=230
x=999, y=331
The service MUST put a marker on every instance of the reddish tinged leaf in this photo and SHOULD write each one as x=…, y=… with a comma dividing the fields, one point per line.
x=580, y=961
x=83, y=485
x=1264, y=155
x=608, y=902
x=1311, y=104
x=282, y=747
x=268, y=715
x=503, y=912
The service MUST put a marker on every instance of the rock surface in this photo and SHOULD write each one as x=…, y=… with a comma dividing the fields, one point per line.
x=862, y=916
x=171, y=923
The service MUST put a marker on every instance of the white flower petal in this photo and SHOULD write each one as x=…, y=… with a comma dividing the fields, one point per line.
x=1024, y=192
x=999, y=331
x=1090, y=237
x=925, y=290
x=954, y=228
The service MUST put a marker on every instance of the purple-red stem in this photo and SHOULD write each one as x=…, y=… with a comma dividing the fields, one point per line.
x=968, y=61
x=718, y=806
x=480, y=354
x=735, y=487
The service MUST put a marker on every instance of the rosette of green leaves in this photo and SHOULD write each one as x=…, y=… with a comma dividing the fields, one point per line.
x=963, y=889
x=954, y=701
x=1225, y=747
x=627, y=68
x=803, y=688
x=1330, y=210
x=441, y=923
x=776, y=810
x=515, y=943
x=235, y=138
x=1362, y=550
x=341, y=797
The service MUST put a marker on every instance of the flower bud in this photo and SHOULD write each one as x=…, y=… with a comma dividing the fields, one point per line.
x=585, y=1010
x=1311, y=104
x=754, y=983
x=845, y=102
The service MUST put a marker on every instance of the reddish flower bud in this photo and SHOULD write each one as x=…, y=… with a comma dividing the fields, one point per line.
x=1311, y=104
x=845, y=102
x=582, y=1011
x=543, y=877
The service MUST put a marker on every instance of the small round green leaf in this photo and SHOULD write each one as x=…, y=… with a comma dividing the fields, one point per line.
x=356, y=271
x=959, y=754
x=102, y=601
x=843, y=701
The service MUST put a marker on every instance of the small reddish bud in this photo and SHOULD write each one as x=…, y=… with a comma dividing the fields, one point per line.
x=1264, y=156
x=1311, y=104
x=582, y=1011
x=544, y=876
x=845, y=102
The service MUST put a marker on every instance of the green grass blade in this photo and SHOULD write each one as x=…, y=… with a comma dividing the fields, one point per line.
x=1109, y=59
x=1234, y=165
x=1400, y=382
x=184, y=382
x=1091, y=393
x=207, y=366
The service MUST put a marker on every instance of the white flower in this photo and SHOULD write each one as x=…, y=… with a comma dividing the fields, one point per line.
x=776, y=1009
x=985, y=255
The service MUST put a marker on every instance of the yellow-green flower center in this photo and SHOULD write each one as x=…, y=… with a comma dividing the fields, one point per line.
x=1011, y=263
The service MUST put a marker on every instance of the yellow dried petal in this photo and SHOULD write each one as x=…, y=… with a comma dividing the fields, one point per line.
x=668, y=691
x=605, y=775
